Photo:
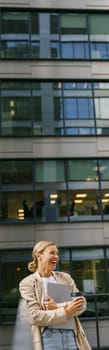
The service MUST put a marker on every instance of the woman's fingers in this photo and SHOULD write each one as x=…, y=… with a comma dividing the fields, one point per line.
x=74, y=305
x=50, y=304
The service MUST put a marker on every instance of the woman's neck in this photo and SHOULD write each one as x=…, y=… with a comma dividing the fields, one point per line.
x=44, y=272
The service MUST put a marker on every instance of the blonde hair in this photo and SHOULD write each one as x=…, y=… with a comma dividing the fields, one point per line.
x=38, y=248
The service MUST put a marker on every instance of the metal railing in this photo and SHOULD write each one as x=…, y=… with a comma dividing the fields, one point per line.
x=97, y=309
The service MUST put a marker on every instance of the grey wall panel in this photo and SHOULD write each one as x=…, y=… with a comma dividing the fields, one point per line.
x=48, y=147
x=63, y=4
x=64, y=234
x=17, y=236
x=54, y=70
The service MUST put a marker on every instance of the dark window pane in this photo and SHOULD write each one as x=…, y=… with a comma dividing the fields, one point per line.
x=16, y=172
x=55, y=52
x=58, y=108
x=15, y=22
x=35, y=49
x=15, y=49
x=36, y=105
x=54, y=27
x=34, y=23
x=17, y=205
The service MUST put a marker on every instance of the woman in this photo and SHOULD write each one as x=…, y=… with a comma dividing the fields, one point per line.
x=44, y=312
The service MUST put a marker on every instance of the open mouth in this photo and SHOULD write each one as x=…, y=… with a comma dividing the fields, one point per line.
x=53, y=262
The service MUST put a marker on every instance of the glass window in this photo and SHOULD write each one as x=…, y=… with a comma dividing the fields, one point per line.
x=58, y=108
x=16, y=172
x=55, y=49
x=49, y=171
x=88, y=270
x=82, y=170
x=64, y=258
x=85, y=108
x=35, y=49
x=102, y=85
x=101, y=107
x=81, y=50
x=103, y=131
x=34, y=23
x=86, y=131
x=39, y=205
x=52, y=205
x=78, y=108
x=99, y=51
x=16, y=116
x=67, y=50
x=36, y=106
x=15, y=49
x=83, y=202
x=13, y=269
x=74, y=50
x=77, y=85
x=71, y=131
x=54, y=25
x=99, y=24
x=107, y=256
x=8, y=87
x=70, y=108
x=15, y=22
x=104, y=169
x=16, y=205
x=73, y=23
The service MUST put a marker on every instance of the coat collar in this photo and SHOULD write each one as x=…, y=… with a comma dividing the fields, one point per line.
x=37, y=276
x=39, y=285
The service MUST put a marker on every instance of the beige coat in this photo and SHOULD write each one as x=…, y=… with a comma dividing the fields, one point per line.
x=31, y=290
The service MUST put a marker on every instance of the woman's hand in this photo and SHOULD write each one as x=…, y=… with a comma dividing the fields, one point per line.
x=73, y=306
x=50, y=304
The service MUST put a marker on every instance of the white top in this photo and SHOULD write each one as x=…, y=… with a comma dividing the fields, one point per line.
x=50, y=279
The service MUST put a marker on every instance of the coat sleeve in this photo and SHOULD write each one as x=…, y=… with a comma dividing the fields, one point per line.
x=37, y=315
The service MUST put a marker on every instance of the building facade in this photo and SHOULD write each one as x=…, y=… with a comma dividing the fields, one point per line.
x=54, y=148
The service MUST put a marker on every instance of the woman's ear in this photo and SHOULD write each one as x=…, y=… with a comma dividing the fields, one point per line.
x=38, y=256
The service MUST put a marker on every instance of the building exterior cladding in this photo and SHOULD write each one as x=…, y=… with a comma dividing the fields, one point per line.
x=61, y=155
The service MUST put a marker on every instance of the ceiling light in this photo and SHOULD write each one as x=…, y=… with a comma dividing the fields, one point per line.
x=53, y=195
x=11, y=103
x=77, y=201
x=104, y=200
x=81, y=195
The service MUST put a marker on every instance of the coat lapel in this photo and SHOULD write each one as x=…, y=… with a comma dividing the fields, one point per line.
x=38, y=286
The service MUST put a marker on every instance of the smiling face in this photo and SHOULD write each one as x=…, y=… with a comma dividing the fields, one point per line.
x=47, y=260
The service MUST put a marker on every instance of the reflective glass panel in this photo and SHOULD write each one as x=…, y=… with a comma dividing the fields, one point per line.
x=16, y=172
x=49, y=171
x=15, y=22
x=73, y=23
x=16, y=205
x=82, y=170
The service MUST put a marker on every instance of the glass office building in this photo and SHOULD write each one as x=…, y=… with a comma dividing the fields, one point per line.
x=54, y=149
